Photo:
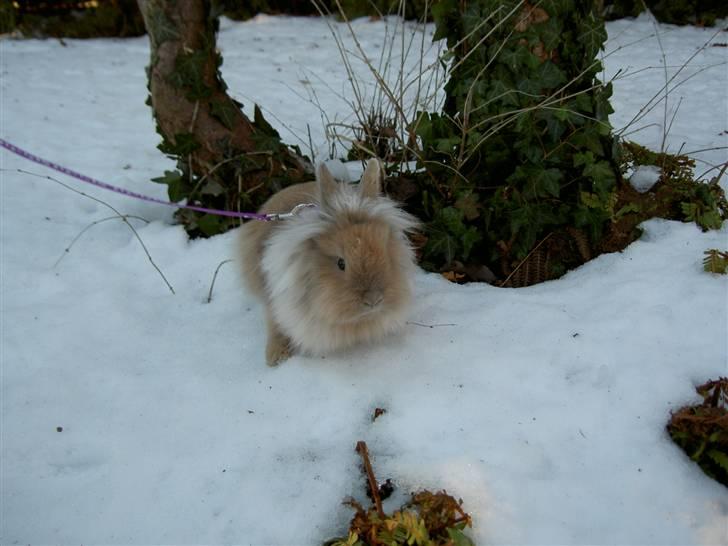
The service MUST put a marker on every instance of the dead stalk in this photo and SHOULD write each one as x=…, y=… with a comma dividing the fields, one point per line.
x=214, y=278
x=122, y=217
x=361, y=449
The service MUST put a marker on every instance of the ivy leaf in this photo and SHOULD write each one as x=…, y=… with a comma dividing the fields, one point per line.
x=589, y=140
x=189, y=69
x=212, y=187
x=177, y=187
x=447, y=145
x=210, y=224
x=225, y=111
x=170, y=177
x=583, y=103
x=440, y=12
x=184, y=144
x=449, y=237
x=550, y=76
x=720, y=458
x=549, y=180
x=602, y=175
x=469, y=239
x=262, y=125
x=504, y=94
x=468, y=204
x=516, y=57
x=591, y=200
x=584, y=158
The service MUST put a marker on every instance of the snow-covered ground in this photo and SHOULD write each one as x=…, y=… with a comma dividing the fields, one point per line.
x=134, y=416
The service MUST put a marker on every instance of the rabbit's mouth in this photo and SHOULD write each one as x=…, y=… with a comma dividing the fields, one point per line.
x=366, y=313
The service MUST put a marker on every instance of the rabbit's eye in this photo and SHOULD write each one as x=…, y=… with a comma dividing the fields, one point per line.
x=341, y=263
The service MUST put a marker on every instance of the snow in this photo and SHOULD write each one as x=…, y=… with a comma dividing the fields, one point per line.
x=644, y=177
x=542, y=408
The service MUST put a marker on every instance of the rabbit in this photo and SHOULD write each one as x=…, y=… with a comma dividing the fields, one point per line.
x=333, y=275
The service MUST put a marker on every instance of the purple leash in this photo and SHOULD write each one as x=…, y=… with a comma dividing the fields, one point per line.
x=98, y=183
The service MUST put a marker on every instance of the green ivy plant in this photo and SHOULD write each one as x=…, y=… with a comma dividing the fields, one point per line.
x=522, y=166
x=523, y=146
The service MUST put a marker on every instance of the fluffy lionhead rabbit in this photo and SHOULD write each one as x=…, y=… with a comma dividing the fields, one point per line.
x=333, y=275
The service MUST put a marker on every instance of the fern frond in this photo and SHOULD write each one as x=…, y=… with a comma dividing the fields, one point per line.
x=715, y=261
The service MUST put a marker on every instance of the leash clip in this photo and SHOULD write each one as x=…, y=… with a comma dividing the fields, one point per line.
x=288, y=215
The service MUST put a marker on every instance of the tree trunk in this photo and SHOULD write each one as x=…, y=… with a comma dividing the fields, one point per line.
x=225, y=160
x=523, y=156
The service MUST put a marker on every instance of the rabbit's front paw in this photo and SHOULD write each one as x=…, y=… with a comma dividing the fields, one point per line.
x=277, y=350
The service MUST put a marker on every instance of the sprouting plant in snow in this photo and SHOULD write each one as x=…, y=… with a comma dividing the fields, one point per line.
x=427, y=519
x=715, y=261
x=702, y=430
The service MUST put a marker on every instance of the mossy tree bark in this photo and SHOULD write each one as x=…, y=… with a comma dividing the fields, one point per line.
x=525, y=171
x=525, y=162
x=224, y=159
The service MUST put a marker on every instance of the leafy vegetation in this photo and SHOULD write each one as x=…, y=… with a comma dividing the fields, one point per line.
x=520, y=173
x=716, y=261
x=523, y=148
x=677, y=195
x=428, y=519
x=702, y=430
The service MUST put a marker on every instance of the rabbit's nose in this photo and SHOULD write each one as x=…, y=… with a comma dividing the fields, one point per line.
x=372, y=298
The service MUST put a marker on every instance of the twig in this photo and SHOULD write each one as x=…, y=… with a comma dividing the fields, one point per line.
x=194, y=116
x=665, y=129
x=92, y=224
x=361, y=449
x=310, y=144
x=508, y=278
x=721, y=173
x=119, y=214
x=721, y=166
x=429, y=325
x=649, y=106
x=214, y=277
x=714, y=148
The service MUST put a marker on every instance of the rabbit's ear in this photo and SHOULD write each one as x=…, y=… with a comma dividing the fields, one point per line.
x=371, y=180
x=325, y=185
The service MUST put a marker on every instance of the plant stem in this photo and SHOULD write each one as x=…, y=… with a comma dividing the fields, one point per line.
x=361, y=449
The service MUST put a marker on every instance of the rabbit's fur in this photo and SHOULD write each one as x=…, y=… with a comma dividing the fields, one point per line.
x=294, y=266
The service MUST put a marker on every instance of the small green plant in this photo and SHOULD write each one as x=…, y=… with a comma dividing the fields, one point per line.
x=678, y=195
x=702, y=430
x=428, y=519
x=715, y=261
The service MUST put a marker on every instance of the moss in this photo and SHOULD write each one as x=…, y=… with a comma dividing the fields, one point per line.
x=702, y=430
